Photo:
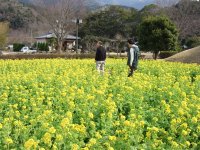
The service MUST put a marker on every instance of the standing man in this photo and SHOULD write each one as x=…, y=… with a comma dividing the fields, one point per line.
x=133, y=52
x=100, y=57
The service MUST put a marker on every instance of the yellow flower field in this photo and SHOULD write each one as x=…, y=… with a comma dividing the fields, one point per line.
x=66, y=104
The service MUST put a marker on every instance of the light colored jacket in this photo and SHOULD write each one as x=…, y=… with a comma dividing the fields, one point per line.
x=132, y=53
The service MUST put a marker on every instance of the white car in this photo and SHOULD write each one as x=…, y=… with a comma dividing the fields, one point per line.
x=26, y=49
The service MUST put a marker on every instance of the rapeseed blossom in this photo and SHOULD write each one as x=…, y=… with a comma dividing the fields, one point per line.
x=66, y=104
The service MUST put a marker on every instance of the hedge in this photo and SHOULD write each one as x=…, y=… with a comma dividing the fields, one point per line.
x=165, y=54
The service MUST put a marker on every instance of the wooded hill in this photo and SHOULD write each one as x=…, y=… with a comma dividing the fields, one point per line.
x=19, y=15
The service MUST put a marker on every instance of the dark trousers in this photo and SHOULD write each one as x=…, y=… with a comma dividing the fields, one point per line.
x=131, y=71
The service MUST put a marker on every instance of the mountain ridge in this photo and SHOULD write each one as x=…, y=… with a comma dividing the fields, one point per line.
x=138, y=4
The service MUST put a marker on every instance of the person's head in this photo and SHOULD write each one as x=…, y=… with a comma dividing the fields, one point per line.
x=130, y=42
x=99, y=43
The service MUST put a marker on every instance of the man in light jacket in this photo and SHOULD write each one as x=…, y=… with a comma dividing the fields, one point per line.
x=132, y=57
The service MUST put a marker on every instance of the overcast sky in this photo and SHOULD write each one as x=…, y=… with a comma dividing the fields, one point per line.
x=132, y=3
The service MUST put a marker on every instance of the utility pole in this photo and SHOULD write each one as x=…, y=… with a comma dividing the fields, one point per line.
x=78, y=21
x=31, y=37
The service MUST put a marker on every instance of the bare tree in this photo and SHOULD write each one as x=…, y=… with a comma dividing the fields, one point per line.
x=3, y=33
x=185, y=14
x=60, y=15
x=166, y=3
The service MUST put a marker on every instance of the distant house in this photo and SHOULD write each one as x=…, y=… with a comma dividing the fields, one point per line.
x=69, y=40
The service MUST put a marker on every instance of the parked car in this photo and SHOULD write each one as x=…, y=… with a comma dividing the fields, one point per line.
x=26, y=49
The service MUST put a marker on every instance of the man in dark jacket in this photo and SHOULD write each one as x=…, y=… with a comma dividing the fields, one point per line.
x=100, y=57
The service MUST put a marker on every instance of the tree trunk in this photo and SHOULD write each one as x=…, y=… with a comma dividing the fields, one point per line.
x=155, y=55
x=59, y=47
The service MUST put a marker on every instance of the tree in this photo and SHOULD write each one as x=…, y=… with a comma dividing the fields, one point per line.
x=185, y=14
x=166, y=3
x=156, y=34
x=109, y=22
x=4, y=27
x=60, y=15
x=16, y=14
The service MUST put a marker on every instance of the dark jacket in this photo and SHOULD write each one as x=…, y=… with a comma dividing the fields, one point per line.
x=100, y=54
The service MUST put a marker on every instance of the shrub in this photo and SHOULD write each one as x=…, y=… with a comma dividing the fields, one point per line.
x=43, y=47
x=193, y=42
x=56, y=55
x=17, y=47
x=165, y=54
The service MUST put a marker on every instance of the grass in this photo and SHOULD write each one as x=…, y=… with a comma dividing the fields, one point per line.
x=187, y=56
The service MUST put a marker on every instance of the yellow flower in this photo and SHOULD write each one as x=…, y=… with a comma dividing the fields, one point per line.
x=122, y=117
x=155, y=119
x=45, y=125
x=9, y=141
x=173, y=121
x=17, y=113
x=167, y=109
x=148, y=134
x=184, y=133
x=47, y=112
x=75, y=147
x=170, y=93
x=64, y=122
x=92, y=123
x=180, y=111
x=184, y=104
x=90, y=97
x=98, y=135
x=174, y=144
x=47, y=138
x=23, y=107
x=71, y=104
x=15, y=106
x=30, y=143
x=187, y=143
x=139, y=116
x=55, y=147
x=163, y=102
x=169, y=138
x=133, y=116
x=52, y=130
x=116, y=123
x=142, y=123
x=1, y=126
x=91, y=142
x=110, y=115
x=110, y=148
x=90, y=115
x=59, y=137
x=112, y=138
x=18, y=123
x=184, y=125
x=127, y=123
x=155, y=129
x=183, y=94
x=79, y=128
x=69, y=115
x=194, y=120
x=178, y=120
